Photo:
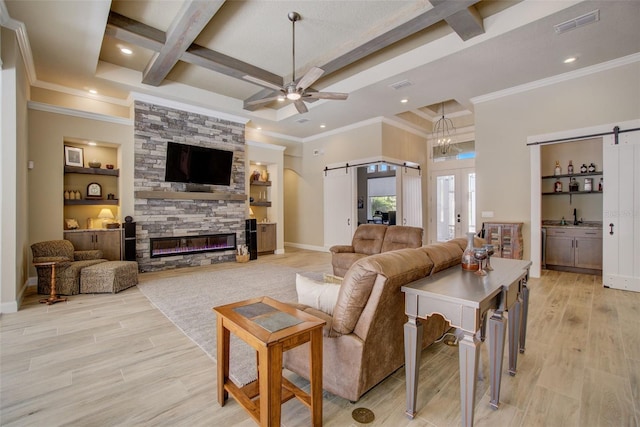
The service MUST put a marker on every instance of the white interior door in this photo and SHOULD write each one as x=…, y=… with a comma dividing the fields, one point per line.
x=410, y=206
x=453, y=203
x=340, y=217
x=621, y=212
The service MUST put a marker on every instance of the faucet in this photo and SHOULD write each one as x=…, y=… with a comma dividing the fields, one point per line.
x=575, y=217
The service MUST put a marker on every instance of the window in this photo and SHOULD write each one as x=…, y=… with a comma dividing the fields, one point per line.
x=381, y=195
x=459, y=151
x=381, y=204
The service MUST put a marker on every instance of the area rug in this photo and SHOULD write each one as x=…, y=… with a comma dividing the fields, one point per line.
x=188, y=300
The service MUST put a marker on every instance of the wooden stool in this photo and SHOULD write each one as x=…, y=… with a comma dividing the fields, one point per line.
x=271, y=328
x=53, y=297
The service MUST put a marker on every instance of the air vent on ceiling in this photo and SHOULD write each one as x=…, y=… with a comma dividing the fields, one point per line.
x=585, y=19
x=400, y=84
x=302, y=120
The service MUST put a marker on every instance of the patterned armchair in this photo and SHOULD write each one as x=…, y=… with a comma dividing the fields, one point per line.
x=69, y=262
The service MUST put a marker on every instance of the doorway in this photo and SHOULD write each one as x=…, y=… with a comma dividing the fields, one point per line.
x=453, y=207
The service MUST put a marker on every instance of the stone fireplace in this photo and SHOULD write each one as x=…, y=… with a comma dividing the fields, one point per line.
x=174, y=223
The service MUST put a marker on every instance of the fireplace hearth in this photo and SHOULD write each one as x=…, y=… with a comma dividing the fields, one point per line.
x=182, y=245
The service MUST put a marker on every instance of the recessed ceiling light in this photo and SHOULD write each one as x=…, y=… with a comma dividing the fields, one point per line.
x=259, y=128
x=126, y=50
x=281, y=99
x=93, y=91
x=323, y=126
x=404, y=100
x=570, y=59
x=92, y=143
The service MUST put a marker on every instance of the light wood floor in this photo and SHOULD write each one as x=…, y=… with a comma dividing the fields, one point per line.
x=114, y=360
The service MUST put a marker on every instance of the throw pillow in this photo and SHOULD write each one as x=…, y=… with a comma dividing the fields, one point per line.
x=319, y=295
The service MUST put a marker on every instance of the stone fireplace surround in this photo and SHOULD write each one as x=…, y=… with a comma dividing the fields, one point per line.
x=179, y=214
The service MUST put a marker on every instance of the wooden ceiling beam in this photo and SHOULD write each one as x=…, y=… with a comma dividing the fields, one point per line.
x=139, y=34
x=186, y=26
x=467, y=23
x=440, y=12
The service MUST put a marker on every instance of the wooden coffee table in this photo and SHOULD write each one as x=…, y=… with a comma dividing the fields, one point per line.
x=271, y=328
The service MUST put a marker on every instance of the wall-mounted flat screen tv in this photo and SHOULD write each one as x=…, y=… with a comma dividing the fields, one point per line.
x=198, y=165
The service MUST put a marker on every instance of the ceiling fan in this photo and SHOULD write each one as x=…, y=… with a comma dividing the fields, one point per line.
x=296, y=91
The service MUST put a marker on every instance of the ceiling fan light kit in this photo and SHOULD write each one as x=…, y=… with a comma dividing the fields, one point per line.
x=293, y=91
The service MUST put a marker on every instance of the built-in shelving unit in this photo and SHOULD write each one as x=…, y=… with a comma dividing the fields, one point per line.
x=564, y=177
x=263, y=202
x=91, y=171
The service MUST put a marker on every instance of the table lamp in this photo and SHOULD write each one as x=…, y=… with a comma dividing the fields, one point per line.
x=106, y=216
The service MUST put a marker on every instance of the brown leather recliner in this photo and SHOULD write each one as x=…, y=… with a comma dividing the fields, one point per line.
x=363, y=341
x=371, y=239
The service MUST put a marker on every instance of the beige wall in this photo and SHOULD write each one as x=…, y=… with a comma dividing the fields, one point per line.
x=14, y=237
x=47, y=133
x=503, y=125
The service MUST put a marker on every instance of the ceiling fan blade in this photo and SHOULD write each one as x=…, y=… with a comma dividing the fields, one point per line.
x=263, y=100
x=309, y=78
x=261, y=82
x=300, y=106
x=327, y=95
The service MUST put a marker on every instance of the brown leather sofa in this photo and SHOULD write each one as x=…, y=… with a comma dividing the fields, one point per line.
x=363, y=340
x=371, y=239
x=69, y=263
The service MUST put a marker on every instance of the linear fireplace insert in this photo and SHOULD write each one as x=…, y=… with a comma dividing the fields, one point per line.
x=171, y=246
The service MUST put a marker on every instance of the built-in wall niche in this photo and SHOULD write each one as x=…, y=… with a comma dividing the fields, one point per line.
x=78, y=205
x=260, y=188
x=579, y=153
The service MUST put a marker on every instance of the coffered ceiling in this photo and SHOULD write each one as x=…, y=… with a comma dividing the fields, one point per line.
x=221, y=54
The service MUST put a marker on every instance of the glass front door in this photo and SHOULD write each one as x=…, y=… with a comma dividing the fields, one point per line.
x=455, y=203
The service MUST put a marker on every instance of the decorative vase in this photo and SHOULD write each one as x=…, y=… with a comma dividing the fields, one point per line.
x=469, y=262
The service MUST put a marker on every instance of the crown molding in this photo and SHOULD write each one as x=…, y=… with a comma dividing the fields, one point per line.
x=344, y=129
x=23, y=40
x=265, y=145
x=277, y=135
x=32, y=105
x=571, y=75
x=143, y=97
x=81, y=93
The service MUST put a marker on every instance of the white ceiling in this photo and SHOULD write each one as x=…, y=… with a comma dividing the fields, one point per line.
x=71, y=52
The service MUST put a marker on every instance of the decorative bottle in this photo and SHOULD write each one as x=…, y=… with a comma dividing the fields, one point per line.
x=570, y=168
x=557, y=188
x=66, y=194
x=592, y=168
x=583, y=168
x=469, y=262
x=558, y=169
x=600, y=185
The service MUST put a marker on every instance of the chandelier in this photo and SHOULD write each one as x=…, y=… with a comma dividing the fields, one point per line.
x=443, y=131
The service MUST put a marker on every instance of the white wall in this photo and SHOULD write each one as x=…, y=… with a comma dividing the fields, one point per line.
x=503, y=125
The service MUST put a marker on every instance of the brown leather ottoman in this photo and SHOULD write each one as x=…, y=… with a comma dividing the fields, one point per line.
x=108, y=277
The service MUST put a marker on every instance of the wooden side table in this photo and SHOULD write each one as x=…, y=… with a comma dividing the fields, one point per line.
x=271, y=328
x=53, y=296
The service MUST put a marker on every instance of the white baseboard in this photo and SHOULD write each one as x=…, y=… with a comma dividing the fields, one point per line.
x=308, y=247
x=12, y=306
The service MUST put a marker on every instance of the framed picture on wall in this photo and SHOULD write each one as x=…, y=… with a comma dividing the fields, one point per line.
x=73, y=156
